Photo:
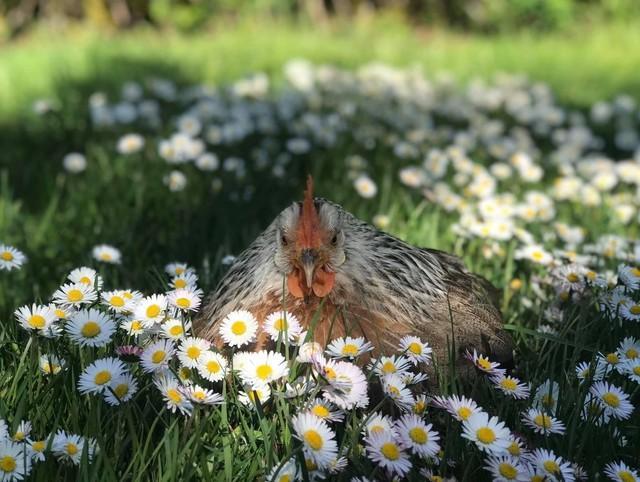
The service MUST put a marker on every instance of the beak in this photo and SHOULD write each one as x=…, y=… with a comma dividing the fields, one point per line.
x=308, y=259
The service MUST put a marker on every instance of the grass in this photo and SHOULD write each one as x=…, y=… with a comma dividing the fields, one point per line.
x=56, y=218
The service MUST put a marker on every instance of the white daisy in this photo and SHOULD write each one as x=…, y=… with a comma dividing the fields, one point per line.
x=11, y=258
x=117, y=301
x=264, y=367
x=282, y=325
x=511, y=386
x=130, y=143
x=191, y=349
x=87, y=276
x=37, y=449
x=628, y=276
x=14, y=465
x=186, y=280
x=70, y=447
x=317, y=438
x=629, y=349
x=621, y=472
x=546, y=396
x=387, y=452
x=325, y=410
x=121, y=389
x=417, y=436
x=74, y=295
x=212, y=366
x=38, y=318
x=631, y=369
x=132, y=326
x=365, y=186
x=504, y=468
x=489, y=434
x=50, y=364
x=171, y=391
x=613, y=400
x=287, y=472
x=156, y=357
x=462, y=408
x=551, y=466
x=396, y=390
x=238, y=328
x=175, y=329
x=151, y=310
x=348, y=347
x=415, y=349
x=483, y=363
x=254, y=395
x=178, y=269
x=98, y=376
x=535, y=253
x=184, y=299
x=388, y=365
x=90, y=328
x=107, y=254
x=23, y=431
x=204, y=396
x=542, y=423
x=308, y=351
x=347, y=384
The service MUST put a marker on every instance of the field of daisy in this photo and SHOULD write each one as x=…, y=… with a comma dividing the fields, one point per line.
x=132, y=176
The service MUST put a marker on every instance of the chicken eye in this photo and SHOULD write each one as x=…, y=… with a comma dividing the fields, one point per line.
x=334, y=240
x=283, y=239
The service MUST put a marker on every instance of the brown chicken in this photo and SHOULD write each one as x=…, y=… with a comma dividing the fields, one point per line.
x=358, y=281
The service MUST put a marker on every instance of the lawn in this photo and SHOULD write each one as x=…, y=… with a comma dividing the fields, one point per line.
x=533, y=183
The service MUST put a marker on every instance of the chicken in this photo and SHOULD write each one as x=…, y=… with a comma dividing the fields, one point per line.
x=325, y=266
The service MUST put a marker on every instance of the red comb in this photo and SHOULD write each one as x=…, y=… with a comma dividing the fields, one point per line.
x=309, y=224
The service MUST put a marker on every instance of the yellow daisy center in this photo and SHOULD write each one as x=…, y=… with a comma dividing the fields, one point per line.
x=419, y=435
x=183, y=303
x=153, y=311
x=36, y=321
x=548, y=400
x=313, y=439
x=635, y=309
x=121, y=390
x=38, y=446
x=263, y=372
x=612, y=358
x=509, y=384
x=75, y=295
x=158, y=356
x=71, y=448
x=543, y=421
x=320, y=411
x=128, y=295
x=632, y=353
x=591, y=275
x=537, y=478
x=105, y=256
x=239, y=327
x=180, y=283
x=102, y=377
x=419, y=406
x=515, y=284
x=573, y=278
x=193, y=352
x=635, y=272
x=284, y=478
x=179, y=271
x=514, y=449
x=329, y=373
x=310, y=464
x=389, y=367
x=415, y=348
x=390, y=451
x=91, y=329
x=7, y=463
x=280, y=324
x=636, y=370
x=626, y=476
x=176, y=330
x=19, y=436
x=350, y=349
x=508, y=471
x=6, y=256
x=116, y=301
x=464, y=413
x=60, y=313
x=199, y=394
x=611, y=399
x=537, y=255
x=484, y=363
x=136, y=325
x=174, y=395
x=551, y=466
x=485, y=435
x=213, y=366
x=85, y=280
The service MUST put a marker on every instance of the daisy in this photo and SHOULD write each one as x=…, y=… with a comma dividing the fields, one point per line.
x=629, y=311
x=415, y=349
x=347, y=385
x=107, y=254
x=130, y=143
x=178, y=269
x=11, y=258
x=511, y=386
x=172, y=393
x=184, y=299
x=379, y=423
x=62, y=313
x=516, y=446
x=191, y=349
x=121, y=389
x=504, y=468
x=462, y=408
x=282, y=325
x=254, y=395
x=264, y=367
x=198, y=394
x=365, y=186
x=584, y=371
x=99, y=375
x=37, y=318
x=420, y=405
x=387, y=452
x=238, y=328
x=613, y=400
x=70, y=447
x=308, y=351
x=284, y=473
x=628, y=276
x=51, y=364
x=317, y=438
x=410, y=378
x=74, y=295
x=22, y=432
x=348, y=347
x=388, y=365
x=417, y=436
x=396, y=390
x=483, y=363
x=117, y=301
x=629, y=349
x=212, y=366
x=156, y=357
x=87, y=276
x=151, y=310
x=175, y=329
x=90, y=328
x=546, y=396
x=489, y=434
x=535, y=253
x=187, y=280
x=132, y=326
x=542, y=423
x=37, y=448
x=550, y=465
x=632, y=369
x=621, y=472
x=13, y=463
x=74, y=162
x=325, y=410
x=593, y=411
